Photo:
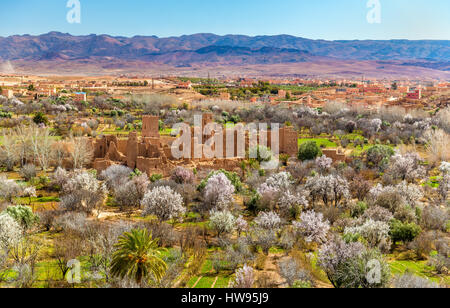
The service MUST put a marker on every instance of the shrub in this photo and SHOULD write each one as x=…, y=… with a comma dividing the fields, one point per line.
x=23, y=215
x=358, y=209
x=434, y=218
x=367, y=270
x=28, y=172
x=374, y=232
x=182, y=176
x=309, y=151
x=410, y=281
x=441, y=263
x=40, y=118
x=405, y=232
x=155, y=177
x=378, y=155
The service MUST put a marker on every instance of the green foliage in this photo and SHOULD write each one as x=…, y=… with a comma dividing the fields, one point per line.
x=301, y=284
x=358, y=209
x=232, y=176
x=23, y=215
x=379, y=155
x=156, y=177
x=369, y=270
x=405, y=232
x=309, y=151
x=7, y=115
x=40, y=118
x=284, y=158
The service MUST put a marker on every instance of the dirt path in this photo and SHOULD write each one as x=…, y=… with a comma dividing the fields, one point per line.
x=272, y=271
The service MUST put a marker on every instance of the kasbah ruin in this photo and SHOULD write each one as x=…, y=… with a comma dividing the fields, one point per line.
x=153, y=154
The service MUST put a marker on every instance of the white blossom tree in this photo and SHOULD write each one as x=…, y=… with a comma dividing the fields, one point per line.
x=374, y=232
x=241, y=225
x=82, y=192
x=222, y=222
x=323, y=163
x=10, y=232
x=9, y=189
x=164, y=203
x=333, y=256
x=218, y=192
x=406, y=167
x=268, y=220
x=245, y=278
x=312, y=226
x=116, y=176
x=332, y=189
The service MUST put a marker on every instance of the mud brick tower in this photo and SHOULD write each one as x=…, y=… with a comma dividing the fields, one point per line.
x=150, y=127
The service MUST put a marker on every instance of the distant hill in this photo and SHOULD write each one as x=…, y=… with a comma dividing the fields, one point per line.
x=203, y=49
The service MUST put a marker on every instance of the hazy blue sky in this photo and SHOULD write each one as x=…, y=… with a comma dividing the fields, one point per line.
x=317, y=19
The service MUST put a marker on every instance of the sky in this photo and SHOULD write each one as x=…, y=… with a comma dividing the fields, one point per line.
x=315, y=19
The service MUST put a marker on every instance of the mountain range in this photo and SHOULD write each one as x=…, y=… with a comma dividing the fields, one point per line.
x=200, y=50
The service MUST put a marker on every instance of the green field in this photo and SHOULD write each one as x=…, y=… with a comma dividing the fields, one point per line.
x=418, y=268
x=321, y=142
x=207, y=278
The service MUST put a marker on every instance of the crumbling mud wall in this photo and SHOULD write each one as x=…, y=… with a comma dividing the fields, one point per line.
x=152, y=154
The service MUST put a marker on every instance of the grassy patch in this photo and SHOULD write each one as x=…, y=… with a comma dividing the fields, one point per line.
x=418, y=268
x=321, y=142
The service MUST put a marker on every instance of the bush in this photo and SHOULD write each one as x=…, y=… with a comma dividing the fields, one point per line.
x=405, y=232
x=23, y=215
x=358, y=209
x=28, y=172
x=410, y=281
x=182, y=176
x=434, y=218
x=309, y=151
x=378, y=155
x=40, y=118
x=368, y=270
x=156, y=177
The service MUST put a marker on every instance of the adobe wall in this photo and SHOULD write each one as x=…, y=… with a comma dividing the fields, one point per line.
x=149, y=154
x=150, y=126
x=334, y=155
x=289, y=141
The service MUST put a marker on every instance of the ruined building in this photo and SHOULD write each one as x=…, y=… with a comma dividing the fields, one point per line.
x=152, y=153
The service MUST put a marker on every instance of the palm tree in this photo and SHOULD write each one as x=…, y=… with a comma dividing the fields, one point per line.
x=138, y=256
